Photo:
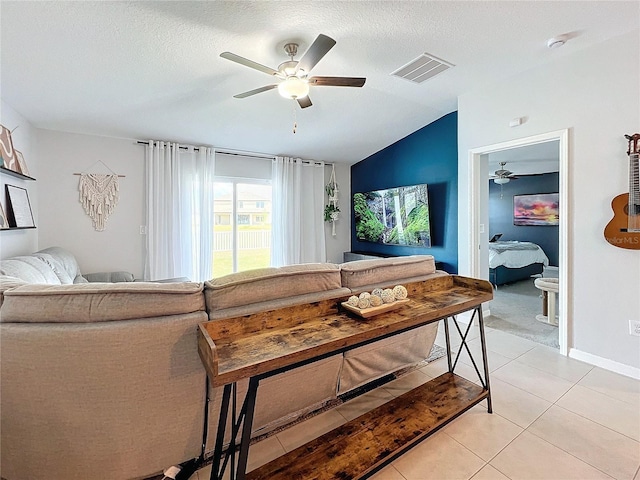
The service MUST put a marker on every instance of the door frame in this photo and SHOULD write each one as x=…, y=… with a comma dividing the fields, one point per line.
x=475, y=179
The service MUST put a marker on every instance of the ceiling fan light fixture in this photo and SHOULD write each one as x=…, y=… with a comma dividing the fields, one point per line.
x=501, y=181
x=293, y=87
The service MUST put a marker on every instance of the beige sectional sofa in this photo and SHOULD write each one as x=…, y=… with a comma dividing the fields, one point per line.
x=103, y=380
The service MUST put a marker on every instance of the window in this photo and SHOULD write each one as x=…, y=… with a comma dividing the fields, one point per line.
x=246, y=243
x=223, y=219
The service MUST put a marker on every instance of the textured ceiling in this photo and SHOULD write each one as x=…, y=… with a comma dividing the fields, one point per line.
x=152, y=69
x=527, y=160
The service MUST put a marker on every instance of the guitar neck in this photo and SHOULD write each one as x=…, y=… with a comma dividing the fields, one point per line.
x=634, y=193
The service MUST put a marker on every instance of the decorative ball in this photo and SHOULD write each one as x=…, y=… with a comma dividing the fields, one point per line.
x=375, y=300
x=400, y=292
x=365, y=295
x=377, y=292
x=353, y=301
x=387, y=296
x=364, y=303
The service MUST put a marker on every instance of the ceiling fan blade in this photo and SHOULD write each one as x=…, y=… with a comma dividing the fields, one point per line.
x=248, y=63
x=257, y=90
x=337, y=81
x=304, y=102
x=318, y=49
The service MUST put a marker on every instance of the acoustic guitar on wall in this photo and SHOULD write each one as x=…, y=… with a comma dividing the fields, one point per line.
x=624, y=228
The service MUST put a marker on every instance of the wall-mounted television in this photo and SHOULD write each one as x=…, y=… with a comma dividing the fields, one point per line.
x=393, y=216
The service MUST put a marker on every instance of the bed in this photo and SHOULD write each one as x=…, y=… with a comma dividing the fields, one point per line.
x=513, y=261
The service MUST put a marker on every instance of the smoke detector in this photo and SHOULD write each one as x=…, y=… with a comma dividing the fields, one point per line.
x=558, y=41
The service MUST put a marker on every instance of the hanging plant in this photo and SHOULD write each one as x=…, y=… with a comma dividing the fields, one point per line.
x=331, y=209
x=331, y=212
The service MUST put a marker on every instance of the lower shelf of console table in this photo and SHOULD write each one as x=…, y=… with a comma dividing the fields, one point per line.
x=363, y=445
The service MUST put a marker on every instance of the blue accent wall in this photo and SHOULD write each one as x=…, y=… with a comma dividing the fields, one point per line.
x=501, y=213
x=429, y=155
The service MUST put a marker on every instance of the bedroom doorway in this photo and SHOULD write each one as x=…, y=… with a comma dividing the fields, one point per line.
x=479, y=216
x=527, y=247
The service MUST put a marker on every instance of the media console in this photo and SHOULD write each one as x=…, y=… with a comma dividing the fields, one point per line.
x=352, y=256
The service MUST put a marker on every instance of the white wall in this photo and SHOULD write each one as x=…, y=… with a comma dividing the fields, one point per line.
x=63, y=221
x=595, y=93
x=18, y=242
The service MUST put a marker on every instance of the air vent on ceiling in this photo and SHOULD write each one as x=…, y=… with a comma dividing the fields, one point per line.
x=422, y=68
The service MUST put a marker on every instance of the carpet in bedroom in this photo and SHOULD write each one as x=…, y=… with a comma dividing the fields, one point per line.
x=513, y=310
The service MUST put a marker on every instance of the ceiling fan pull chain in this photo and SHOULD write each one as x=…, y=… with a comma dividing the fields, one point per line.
x=295, y=121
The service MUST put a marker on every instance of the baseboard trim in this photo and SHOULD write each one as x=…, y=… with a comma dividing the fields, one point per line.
x=605, y=363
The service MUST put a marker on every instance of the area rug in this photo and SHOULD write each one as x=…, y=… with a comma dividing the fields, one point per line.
x=513, y=310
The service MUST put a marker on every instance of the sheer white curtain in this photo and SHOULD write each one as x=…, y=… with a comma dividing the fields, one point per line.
x=298, y=218
x=179, y=186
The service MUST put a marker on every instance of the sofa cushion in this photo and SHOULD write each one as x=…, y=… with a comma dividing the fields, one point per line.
x=267, y=284
x=7, y=283
x=99, y=302
x=109, y=277
x=29, y=268
x=56, y=267
x=369, y=362
x=67, y=260
x=379, y=271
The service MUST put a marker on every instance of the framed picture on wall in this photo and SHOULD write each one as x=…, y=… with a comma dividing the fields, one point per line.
x=7, y=154
x=4, y=223
x=19, y=207
x=540, y=209
x=22, y=165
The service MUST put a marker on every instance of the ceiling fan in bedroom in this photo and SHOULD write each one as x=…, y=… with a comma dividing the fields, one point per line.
x=294, y=74
x=502, y=175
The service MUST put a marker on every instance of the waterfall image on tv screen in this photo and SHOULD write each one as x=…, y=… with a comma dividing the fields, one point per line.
x=394, y=216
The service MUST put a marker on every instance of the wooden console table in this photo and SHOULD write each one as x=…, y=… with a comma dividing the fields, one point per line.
x=265, y=344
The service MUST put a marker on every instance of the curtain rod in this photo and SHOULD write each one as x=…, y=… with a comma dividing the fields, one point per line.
x=241, y=154
x=225, y=152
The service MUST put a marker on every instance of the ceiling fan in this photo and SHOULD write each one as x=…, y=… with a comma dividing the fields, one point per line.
x=502, y=176
x=293, y=74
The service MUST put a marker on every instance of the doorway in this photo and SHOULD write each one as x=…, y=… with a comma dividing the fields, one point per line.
x=527, y=247
x=478, y=218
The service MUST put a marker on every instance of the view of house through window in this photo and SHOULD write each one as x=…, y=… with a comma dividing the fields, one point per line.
x=242, y=230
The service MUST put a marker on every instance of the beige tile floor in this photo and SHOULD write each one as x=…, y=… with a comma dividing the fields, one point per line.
x=554, y=418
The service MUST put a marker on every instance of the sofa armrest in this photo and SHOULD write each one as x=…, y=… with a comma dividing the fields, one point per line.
x=109, y=277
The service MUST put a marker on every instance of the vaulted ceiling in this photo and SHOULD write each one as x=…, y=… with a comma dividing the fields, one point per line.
x=152, y=69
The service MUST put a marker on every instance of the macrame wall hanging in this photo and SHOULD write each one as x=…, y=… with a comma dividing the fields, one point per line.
x=99, y=195
x=331, y=209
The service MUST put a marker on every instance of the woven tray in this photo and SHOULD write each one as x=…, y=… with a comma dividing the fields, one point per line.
x=371, y=311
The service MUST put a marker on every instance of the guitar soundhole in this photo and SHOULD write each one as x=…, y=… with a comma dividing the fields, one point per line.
x=635, y=209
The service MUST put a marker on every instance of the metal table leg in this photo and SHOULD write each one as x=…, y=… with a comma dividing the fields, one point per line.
x=483, y=380
x=245, y=420
x=483, y=342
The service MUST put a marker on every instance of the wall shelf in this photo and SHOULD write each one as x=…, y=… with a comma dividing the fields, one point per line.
x=6, y=171
x=15, y=228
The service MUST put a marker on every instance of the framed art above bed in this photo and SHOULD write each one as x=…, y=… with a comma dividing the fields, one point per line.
x=540, y=209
